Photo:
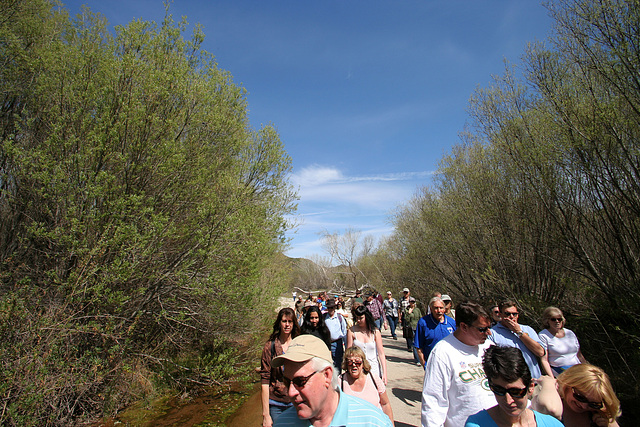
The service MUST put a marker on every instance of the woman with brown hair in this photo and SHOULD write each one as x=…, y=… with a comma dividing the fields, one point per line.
x=275, y=399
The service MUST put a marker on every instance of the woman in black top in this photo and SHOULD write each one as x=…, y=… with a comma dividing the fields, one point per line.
x=314, y=324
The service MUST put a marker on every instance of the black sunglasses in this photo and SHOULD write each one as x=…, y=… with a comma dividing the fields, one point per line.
x=513, y=391
x=298, y=382
x=482, y=330
x=582, y=399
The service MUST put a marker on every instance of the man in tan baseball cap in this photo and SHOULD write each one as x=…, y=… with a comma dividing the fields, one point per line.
x=313, y=390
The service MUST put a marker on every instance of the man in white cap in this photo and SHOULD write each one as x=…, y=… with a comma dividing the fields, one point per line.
x=448, y=306
x=313, y=389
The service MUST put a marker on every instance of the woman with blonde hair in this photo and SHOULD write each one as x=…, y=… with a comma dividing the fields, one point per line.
x=580, y=397
x=563, y=348
x=356, y=380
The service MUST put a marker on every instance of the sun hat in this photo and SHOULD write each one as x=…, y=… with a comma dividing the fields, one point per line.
x=303, y=348
x=405, y=290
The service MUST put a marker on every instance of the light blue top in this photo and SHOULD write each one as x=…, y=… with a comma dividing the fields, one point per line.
x=351, y=411
x=502, y=336
x=483, y=419
x=337, y=326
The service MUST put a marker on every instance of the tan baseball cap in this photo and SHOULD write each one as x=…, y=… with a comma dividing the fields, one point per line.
x=303, y=348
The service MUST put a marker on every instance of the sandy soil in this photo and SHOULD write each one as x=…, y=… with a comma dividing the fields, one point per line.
x=404, y=381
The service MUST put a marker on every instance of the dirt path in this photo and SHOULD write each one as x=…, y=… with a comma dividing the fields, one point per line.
x=404, y=387
x=404, y=381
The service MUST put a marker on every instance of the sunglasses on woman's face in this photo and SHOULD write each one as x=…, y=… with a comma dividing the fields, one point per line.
x=556, y=319
x=354, y=362
x=580, y=398
x=513, y=391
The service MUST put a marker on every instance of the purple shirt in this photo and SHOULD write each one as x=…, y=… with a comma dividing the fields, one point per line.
x=375, y=308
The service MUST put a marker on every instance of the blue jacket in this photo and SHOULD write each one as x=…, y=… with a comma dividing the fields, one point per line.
x=429, y=332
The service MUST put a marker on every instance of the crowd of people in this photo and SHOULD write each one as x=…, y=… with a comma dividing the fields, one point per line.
x=482, y=367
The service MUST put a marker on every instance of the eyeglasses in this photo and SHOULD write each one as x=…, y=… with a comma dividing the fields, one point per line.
x=299, y=382
x=354, y=362
x=482, y=330
x=556, y=319
x=513, y=391
x=511, y=314
x=580, y=398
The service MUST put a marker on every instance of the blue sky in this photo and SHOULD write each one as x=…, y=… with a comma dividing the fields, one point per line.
x=367, y=96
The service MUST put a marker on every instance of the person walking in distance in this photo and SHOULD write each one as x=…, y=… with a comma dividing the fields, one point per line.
x=391, y=307
x=338, y=329
x=404, y=305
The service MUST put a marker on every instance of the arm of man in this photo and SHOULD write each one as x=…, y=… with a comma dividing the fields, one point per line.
x=529, y=338
x=526, y=335
x=343, y=328
x=418, y=341
x=435, y=397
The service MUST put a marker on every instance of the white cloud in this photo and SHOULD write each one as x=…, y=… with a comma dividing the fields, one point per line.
x=334, y=201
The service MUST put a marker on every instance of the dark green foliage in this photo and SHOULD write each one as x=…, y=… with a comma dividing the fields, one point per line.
x=541, y=202
x=141, y=215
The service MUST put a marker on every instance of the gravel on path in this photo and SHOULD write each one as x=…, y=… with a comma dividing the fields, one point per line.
x=404, y=380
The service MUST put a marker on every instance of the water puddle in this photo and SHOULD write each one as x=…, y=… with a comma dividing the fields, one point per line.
x=240, y=406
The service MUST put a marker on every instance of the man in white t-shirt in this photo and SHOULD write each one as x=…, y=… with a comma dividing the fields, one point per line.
x=455, y=385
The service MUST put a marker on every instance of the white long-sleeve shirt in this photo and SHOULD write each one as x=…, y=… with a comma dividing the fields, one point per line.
x=455, y=385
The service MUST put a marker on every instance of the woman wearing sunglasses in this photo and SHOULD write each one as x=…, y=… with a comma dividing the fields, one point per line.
x=582, y=396
x=356, y=380
x=510, y=381
x=563, y=348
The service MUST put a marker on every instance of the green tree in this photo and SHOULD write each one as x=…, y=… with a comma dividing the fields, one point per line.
x=541, y=201
x=142, y=215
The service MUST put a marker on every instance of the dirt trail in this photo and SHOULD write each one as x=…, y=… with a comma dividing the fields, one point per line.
x=404, y=386
x=404, y=381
